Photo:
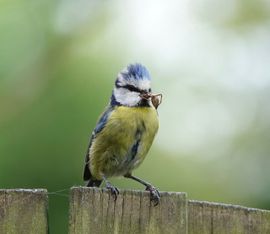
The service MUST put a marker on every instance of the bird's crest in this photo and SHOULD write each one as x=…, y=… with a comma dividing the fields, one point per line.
x=135, y=71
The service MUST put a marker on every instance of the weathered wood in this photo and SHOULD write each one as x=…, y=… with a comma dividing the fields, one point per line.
x=23, y=211
x=216, y=218
x=93, y=210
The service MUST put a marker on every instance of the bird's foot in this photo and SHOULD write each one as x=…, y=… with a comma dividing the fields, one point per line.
x=114, y=190
x=154, y=194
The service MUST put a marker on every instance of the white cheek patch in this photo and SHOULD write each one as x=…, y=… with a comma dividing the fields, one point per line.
x=125, y=97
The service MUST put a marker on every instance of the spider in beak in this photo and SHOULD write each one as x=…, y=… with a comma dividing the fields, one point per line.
x=156, y=99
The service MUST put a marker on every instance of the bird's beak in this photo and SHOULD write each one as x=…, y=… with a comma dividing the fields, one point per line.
x=156, y=99
x=145, y=96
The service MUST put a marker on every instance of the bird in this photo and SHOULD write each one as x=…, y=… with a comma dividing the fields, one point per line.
x=124, y=132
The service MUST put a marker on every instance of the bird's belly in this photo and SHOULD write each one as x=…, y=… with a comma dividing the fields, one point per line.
x=124, y=143
x=121, y=155
x=118, y=165
x=117, y=169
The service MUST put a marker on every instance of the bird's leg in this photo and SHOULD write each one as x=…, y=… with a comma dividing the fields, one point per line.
x=154, y=193
x=114, y=190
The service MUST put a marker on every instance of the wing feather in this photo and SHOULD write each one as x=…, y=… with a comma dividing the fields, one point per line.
x=99, y=127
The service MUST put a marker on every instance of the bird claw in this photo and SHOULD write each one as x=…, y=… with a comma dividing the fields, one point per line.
x=154, y=194
x=114, y=190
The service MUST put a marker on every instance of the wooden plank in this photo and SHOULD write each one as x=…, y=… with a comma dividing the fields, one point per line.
x=216, y=218
x=93, y=210
x=23, y=211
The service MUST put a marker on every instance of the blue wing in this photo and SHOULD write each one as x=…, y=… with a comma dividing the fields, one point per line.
x=103, y=120
x=100, y=125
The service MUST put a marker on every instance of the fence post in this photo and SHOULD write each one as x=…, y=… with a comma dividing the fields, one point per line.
x=217, y=218
x=93, y=210
x=23, y=211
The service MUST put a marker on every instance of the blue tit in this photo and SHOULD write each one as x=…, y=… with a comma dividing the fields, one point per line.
x=124, y=132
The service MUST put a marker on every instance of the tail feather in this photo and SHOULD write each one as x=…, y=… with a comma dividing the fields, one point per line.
x=86, y=173
x=87, y=176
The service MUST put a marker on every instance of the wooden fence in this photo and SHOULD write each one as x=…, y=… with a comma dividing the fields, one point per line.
x=23, y=211
x=94, y=210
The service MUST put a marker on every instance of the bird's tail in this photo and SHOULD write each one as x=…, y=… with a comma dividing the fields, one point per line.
x=87, y=176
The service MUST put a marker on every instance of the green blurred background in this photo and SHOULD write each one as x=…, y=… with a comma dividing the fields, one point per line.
x=210, y=59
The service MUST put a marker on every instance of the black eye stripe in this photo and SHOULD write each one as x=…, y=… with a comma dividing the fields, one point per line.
x=129, y=87
x=132, y=88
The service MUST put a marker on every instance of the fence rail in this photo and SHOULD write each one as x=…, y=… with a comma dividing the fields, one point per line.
x=94, y=210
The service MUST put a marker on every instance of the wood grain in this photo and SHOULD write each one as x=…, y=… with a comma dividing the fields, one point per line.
x=23, y=211
x=93, y=210
x=216, y=218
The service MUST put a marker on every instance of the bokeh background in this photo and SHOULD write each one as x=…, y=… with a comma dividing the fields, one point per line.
x=210, y=59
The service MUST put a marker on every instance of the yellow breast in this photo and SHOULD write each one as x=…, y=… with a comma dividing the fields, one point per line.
x=124, y=142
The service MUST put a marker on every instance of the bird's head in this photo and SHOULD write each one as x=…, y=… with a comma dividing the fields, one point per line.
x=133, y=88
